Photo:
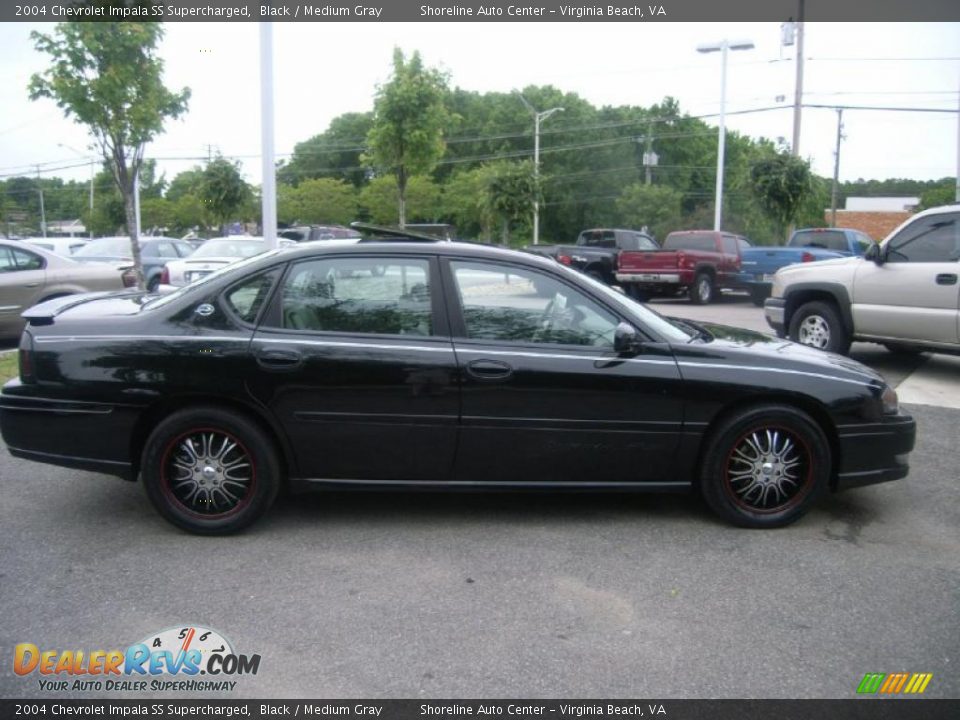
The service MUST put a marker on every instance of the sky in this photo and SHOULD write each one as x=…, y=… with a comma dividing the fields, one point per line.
x=322, y=70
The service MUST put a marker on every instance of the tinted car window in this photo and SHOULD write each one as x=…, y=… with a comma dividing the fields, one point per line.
x=690, y=241
x=645, y=242
x=165, y=249
x=359, y=295
x=730, y=244
x=936, y=239
x=598, y=238
x=520, y=305
x=14, y=259
x=247, y=298
x=827, y=239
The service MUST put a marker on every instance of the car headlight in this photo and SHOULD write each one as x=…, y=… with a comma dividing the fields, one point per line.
x=891, y=405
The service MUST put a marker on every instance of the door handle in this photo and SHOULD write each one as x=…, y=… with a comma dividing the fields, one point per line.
x=36, y=284
x=489, y=370
x=279, y=360
x=947, y=279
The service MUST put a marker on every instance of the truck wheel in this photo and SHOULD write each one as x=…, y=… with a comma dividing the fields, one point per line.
x=636, y=293
x=817, y=324
x=758, y=295
x=702, y=290
x=596, y=275
x=765, y=466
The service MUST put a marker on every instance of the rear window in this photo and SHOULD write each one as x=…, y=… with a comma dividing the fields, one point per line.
x=598, y=238
x=826, y=239
x=690, y=241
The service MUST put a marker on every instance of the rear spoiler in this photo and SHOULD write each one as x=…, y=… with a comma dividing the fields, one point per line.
x=44, y=313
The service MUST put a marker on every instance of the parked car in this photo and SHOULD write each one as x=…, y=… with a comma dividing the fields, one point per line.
x=65, y=246
x=903, y=293
x=460, y=366
x=155, y=252
x=699, y=262
x=209, y=257
x=596, y=251
x=758, y=264
x=30, y=274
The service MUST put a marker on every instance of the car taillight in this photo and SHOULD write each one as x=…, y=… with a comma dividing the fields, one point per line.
x=681, y=258
x=25, y=358
x=807, y=257
x=564, y=259
x=129, y=277
x=165, y=276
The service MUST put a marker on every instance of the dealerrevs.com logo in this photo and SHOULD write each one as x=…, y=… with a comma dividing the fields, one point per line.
x=894, y=683
x=172, y=659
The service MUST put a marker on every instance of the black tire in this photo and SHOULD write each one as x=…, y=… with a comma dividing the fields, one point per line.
x=817, y=324
x=596, y=275
x=759, y=295
x=765, y=466
x=240, y=463
x=904, y=349
x=702, y=291
x=153, y=283
x=633, y=290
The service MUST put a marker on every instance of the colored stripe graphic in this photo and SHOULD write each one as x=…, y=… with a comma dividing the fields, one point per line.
x=894, y=683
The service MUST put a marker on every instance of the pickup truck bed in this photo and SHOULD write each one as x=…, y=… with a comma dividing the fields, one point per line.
x=596, y=251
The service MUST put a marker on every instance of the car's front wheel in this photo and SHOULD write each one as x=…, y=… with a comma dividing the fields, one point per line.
x=210, y=471
x=817, y=324
x=764, y=466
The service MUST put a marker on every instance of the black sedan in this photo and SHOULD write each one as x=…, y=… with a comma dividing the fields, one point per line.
x=437, y=365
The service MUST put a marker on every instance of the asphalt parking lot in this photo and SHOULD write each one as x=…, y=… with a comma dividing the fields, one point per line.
x=465, y=595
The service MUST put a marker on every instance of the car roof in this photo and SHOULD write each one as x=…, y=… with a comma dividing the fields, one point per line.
x=398, y=247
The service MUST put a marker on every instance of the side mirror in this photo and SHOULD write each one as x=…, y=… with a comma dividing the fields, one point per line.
x=626, y=341
x=876, y=254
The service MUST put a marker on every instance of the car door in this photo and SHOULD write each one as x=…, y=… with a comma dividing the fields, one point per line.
x=914, y=294
x=544, y=396
x=355, y=361
x=23, y=278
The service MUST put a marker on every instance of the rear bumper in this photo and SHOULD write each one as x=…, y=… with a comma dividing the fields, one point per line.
x=653, y=278
x=877, y=452
x=74, y=434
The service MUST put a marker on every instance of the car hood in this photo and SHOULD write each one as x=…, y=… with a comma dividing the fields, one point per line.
x=747, y=347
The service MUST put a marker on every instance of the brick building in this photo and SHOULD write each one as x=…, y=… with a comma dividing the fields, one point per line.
x=876, y=216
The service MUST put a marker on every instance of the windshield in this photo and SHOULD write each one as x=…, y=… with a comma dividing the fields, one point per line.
x=230, y=248
x=651, y=319
x=236, y=267
x=114, y=247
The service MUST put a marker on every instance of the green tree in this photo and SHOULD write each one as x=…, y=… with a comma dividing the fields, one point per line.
x=944, y=194
x=107, y=76
x=510, y=190
x=657, y=207
x=781, y=184
x=223, y=190
x=378, y=200
x=317, y=201
x=409, y=118
x=332, y=154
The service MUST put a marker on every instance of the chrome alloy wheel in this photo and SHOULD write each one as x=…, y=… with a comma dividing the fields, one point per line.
x=208, y=472
x=815, y=332
x=768, y=470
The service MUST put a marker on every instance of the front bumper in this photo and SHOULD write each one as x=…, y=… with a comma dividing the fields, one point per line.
x=875, y=452
x=774, y=310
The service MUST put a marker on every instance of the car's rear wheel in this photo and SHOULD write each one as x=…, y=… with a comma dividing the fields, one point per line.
x=764, y=466
x=210, y=471
x=702, y=290
x=817, y=324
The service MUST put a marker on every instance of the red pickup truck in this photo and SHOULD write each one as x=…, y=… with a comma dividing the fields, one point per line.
x=699, y=262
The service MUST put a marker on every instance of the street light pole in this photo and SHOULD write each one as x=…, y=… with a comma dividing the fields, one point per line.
x=723, y=47
x=538, y=117
x=43, y=212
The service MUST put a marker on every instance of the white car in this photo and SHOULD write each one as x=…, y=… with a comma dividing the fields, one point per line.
x=904, y=293
x=209, y=257
x=65, y=246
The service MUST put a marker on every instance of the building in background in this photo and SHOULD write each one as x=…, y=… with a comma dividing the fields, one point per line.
x=876, y=216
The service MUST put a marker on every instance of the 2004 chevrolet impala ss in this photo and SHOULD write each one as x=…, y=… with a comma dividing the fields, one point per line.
x=435, y=365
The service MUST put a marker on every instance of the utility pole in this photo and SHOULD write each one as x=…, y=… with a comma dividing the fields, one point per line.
x=836, y=170
x=43, y=212
x=648, y=161
x=268, y=195
x=798, y=90
x=537, y=118
x=958, y=153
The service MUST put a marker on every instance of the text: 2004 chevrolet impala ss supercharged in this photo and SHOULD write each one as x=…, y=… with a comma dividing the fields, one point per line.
x=435, y=365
